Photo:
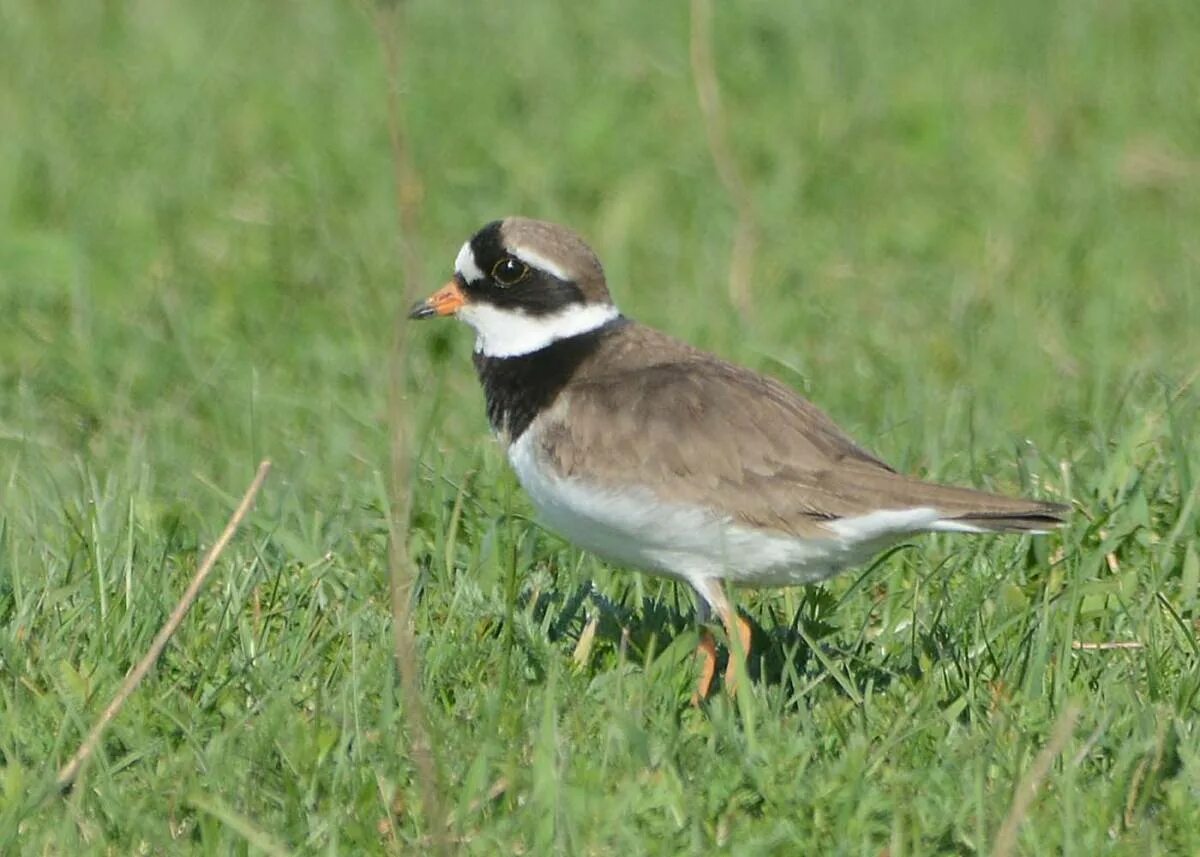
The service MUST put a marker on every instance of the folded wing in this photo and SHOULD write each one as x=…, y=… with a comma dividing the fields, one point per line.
x=705, y=432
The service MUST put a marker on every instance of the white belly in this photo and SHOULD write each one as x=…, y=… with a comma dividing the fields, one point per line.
x=632, y=527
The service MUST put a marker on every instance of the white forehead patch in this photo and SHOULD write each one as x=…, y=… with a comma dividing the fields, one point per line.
x=536, y=260
x=465, y=264
x=510, y=332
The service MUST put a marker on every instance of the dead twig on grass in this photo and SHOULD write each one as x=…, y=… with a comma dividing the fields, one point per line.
x=70, y=771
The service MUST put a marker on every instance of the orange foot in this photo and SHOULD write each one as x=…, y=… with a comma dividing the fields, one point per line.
x=706, y=654
x=739, y=651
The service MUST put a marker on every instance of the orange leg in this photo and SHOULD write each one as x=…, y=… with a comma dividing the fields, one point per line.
x=706, y=654
x=739, y=648
x=737, y=630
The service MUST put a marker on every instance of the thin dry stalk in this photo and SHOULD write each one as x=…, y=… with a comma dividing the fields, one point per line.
x=1064, y=728
x=583, y=649
x=497, y=790
x=1146, y=766
x=257, y=838
x=1135, y=787
x=388, y=23
x=70, y=771
x=1111, y=645
x=708, y=94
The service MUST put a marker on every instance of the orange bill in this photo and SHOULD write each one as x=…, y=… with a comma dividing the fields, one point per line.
x=445, y=301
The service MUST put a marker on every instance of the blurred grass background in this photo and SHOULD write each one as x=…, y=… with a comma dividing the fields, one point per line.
x=979, y=251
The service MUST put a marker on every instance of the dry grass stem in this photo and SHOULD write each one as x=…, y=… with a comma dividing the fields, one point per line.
x=1064, y=728
x=70, y=771
x=708, y=94
x=587, y=638
x=494, y=793
x=388, y=23
x=257, y=838
x=1080, y=646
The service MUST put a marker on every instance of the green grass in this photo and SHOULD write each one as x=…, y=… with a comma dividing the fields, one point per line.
x=980, y=252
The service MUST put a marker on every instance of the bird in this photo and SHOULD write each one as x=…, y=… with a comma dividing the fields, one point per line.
x=657, y=455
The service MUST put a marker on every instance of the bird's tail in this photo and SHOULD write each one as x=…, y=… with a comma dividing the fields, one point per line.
x=1040, y=518
x=969, y=510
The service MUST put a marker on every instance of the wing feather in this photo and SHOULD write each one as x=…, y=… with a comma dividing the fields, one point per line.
x=697, y=430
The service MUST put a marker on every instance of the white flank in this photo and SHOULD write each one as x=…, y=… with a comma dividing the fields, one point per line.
x=511, y=333
x=633, y=527
x=884, y=523
x=949, y=526
x=465, y=264
x=536, y=260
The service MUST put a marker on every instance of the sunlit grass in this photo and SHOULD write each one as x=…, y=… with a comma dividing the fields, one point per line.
x=979, y=251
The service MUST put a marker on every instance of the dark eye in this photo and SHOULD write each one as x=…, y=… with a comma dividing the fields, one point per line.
x=509, y=271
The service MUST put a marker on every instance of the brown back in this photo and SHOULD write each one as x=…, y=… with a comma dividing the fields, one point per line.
x=647, y=409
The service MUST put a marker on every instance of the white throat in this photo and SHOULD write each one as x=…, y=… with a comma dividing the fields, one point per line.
x=511, y=333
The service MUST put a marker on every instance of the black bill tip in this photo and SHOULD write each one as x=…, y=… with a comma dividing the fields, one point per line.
x=421, y=309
